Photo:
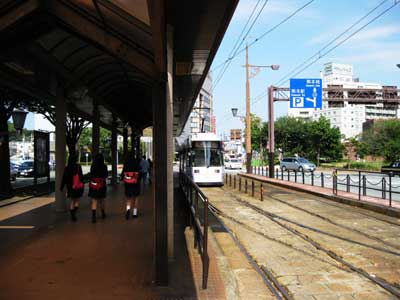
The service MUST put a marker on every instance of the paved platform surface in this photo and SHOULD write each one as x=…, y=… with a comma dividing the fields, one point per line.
x=45, y=256
x=316, y=248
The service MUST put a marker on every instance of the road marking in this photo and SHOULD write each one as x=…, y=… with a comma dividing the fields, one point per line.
x=16, y=209
x=17, y=227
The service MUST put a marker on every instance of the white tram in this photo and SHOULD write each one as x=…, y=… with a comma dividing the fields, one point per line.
x=202, y=159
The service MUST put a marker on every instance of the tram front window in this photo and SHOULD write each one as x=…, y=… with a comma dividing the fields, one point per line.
x=207, y=158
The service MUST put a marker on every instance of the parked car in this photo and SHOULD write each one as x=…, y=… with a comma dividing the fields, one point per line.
x=13, y=171
x=26, y=169
x=298, y=164
x=233, y=163
x=393, y=167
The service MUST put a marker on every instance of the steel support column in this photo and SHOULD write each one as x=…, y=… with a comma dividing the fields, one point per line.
x=137, y=147
x=114, y=153
x=125, y=143
x=61, y=116
x=160, y=183
x=170, y=140
x=95, y=130
x=271, y=133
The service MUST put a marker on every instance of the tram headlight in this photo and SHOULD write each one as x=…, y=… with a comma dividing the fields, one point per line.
x=217, y=171
x=196, y=171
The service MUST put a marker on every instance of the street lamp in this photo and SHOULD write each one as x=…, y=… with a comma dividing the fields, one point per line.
x=19, y=117
x=256, y=69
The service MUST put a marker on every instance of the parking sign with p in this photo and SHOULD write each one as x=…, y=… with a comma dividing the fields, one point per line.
x=306, y=93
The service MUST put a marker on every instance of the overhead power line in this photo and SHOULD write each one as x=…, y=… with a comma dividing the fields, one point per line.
x=320, y=54
x=266, y=33
x=228, y=62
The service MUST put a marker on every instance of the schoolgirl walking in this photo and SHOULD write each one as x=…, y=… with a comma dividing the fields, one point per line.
x=131, y=177
x=73, y=179
x=98, y=186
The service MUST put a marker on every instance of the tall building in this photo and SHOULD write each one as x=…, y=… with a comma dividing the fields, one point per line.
x=201, y=118
x=349, y=118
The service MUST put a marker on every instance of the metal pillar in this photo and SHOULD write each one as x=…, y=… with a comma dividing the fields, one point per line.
x=137, y=147
x=271, y=133
x=160, y=183
x=95, y=130
x=114, y=153
x=61, y=116
x=248, y=116
x=170, y=140
x=125, y=143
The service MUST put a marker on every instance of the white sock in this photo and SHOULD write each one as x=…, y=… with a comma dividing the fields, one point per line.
x=135, y=211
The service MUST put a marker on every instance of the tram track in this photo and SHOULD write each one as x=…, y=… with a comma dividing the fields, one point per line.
x=333, y=204
x=394, y=290
x=268, y=278
x=335, y=223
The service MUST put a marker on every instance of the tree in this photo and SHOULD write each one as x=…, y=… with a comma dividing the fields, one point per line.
x=256, y=128
x=383, y=139
x=74, y=124
x=325, y=140
x=312, y=139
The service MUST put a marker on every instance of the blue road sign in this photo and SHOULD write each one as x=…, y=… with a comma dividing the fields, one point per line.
x=306, y=93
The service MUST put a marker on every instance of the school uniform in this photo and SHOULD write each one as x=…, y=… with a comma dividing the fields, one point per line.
x=132, y=189
x=67, y=180
x=98, y=171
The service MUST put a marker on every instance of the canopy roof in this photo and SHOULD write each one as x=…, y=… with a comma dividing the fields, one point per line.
x=110, y=52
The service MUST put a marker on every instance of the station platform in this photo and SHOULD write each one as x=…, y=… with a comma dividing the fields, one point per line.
x=43, y=255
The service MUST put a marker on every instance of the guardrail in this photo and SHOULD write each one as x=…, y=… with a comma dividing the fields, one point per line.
x=353, y=181
x=198, y=206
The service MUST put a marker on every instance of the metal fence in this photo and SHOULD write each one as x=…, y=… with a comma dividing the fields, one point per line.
x=363, y=183
x=198, y=206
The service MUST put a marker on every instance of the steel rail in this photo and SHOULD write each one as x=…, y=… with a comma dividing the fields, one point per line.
x=275, y=218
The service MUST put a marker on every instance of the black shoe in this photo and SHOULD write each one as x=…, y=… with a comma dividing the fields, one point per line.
x=128, y=214
x=73, y=216
x=94, y=216
x=103, y=214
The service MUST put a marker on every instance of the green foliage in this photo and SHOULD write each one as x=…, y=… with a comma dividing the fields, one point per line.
x=382, y=139
x=370, y=166
x=18, y=137
x=310, y=139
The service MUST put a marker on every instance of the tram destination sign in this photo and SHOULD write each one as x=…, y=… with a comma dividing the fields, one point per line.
x=306, y=93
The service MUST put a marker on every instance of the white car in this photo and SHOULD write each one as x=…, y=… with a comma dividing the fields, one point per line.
x=233, y=163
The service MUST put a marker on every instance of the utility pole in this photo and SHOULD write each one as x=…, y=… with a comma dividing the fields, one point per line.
x=248, y=116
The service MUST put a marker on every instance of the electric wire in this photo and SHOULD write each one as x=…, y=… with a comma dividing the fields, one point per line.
x=267, y=32
x=241, y=42
x=235, y=46
x=320, y=55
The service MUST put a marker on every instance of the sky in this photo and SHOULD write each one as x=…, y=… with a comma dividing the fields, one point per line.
x=373, y=52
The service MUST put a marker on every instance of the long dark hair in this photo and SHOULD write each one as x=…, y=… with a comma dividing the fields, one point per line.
x=130, y=161
x=98, y=159
x=72, y=164
x=98, y=164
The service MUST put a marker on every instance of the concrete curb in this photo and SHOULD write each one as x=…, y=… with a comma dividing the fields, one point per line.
x=389, y=211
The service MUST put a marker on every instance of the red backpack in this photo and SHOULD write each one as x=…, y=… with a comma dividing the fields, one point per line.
x=131, y=177
x=77, y=184
x=96, y=183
